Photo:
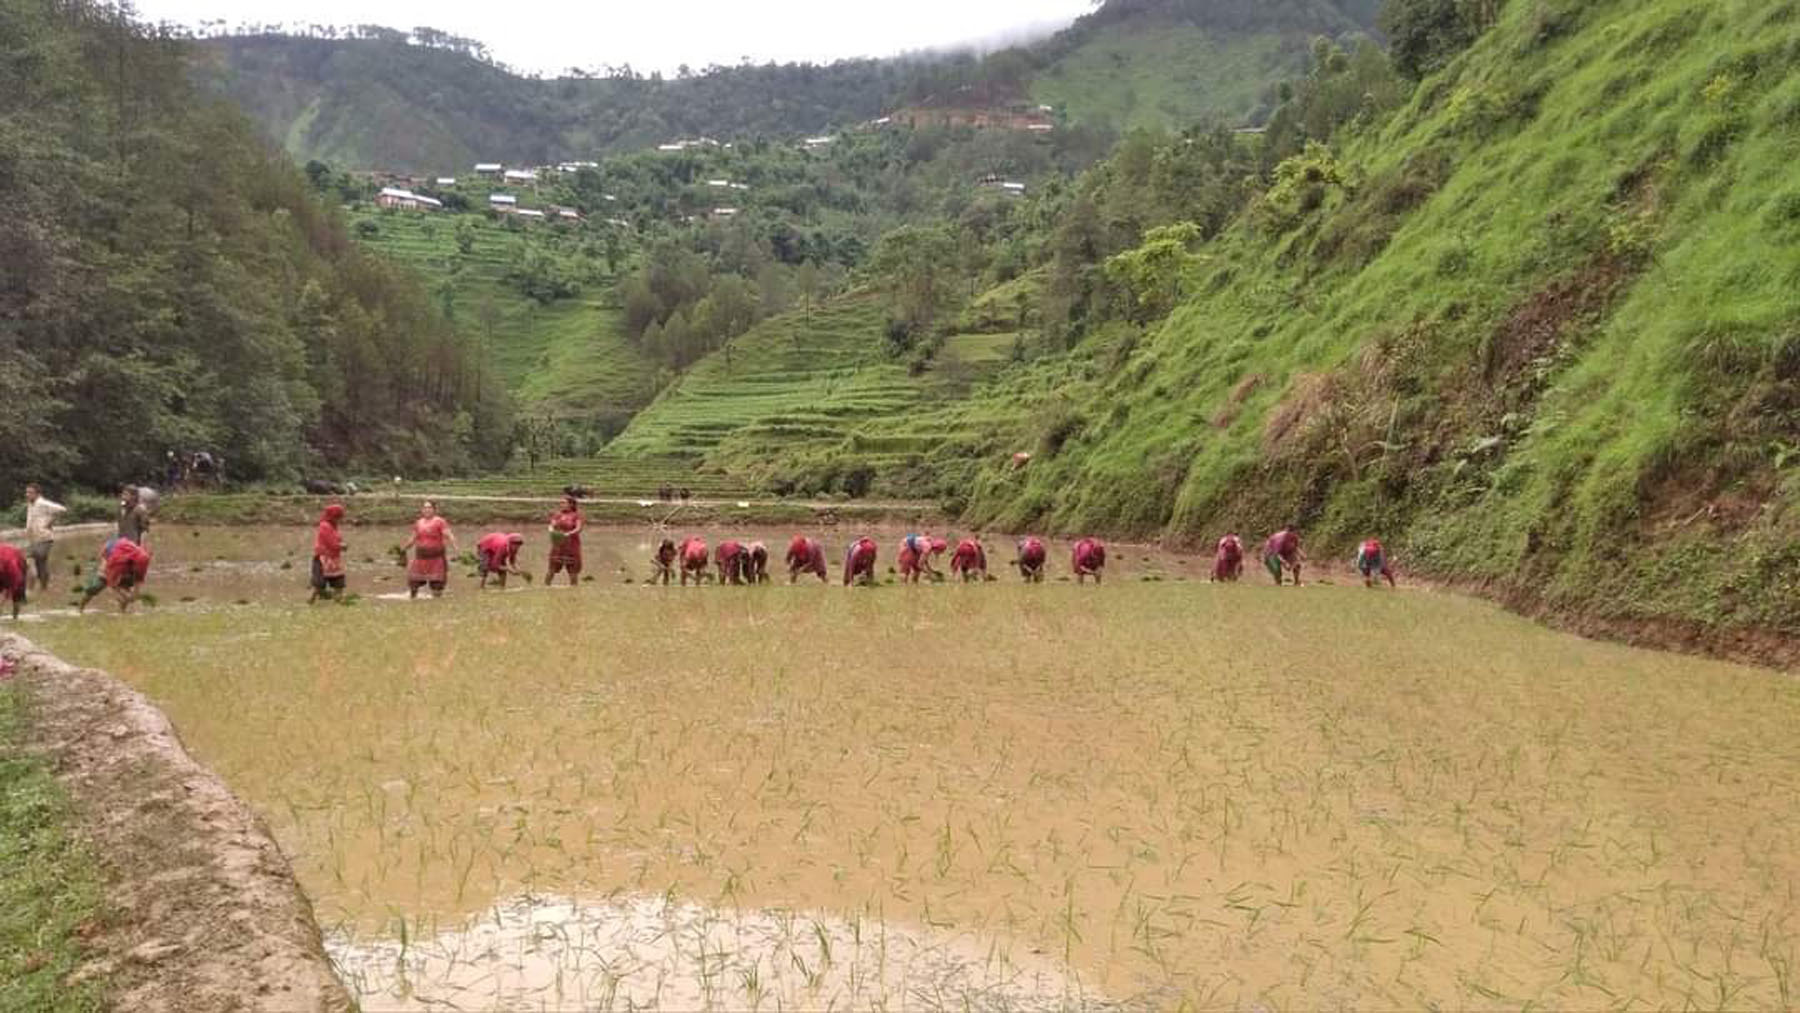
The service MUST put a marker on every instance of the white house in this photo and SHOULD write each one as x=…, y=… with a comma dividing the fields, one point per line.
x=725, y=212
x=502, y=201
x=530, y=213
x=394, y=197
x=488, y=168
x=818, y=142
x=521, y=176
x=446, y=181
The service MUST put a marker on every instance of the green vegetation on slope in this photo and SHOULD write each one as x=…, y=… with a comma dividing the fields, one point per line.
x=1168, y=76
x=565, y=359
x=1539, y=325
x=166, y=283
x=49, y=887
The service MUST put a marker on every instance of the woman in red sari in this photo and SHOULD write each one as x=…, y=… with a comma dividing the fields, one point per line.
x=565, y=542
x=431, y=543
x=328, y=556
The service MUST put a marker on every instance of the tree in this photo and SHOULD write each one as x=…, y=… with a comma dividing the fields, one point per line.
x=1153, y=272
x=465, y=237
x=1424, y=35
x=917, y=264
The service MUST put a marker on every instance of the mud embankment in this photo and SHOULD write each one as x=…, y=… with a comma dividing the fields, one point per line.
x=202, y=910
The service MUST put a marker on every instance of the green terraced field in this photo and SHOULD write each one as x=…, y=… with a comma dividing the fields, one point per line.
x=570, y=359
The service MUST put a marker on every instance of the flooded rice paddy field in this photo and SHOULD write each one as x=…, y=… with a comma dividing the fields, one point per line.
x=1147, y=795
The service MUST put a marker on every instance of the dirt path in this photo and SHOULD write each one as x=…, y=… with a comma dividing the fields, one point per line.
x=203, y=912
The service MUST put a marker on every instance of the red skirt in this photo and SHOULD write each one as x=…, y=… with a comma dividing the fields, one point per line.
x=428, y=569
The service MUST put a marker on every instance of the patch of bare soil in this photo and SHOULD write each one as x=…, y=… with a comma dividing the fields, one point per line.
x=203, y=912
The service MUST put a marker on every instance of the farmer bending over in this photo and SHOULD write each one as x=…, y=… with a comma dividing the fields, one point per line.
x=1372, y=563
x=498, y=554
x=806, y=555
x=1281, y=553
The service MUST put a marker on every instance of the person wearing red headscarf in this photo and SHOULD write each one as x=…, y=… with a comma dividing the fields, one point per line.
x=498, y=554
x=969, y=560
x=431, y=543
x=1372, y=563
x=1228, y=560
x=328, y=574
x=730, y=558
x=125, y=565
x=663, y=563
x=693, y=561
x=805, y=555
x=859, y=562
x=13, y=579
x=1032, y=555
x=566, y=525
x=1089, y=559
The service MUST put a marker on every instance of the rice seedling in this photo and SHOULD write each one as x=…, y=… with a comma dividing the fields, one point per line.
x=1156, y=795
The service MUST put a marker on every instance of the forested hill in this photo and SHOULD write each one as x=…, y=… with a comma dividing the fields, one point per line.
x=381, y=100
x=168, y=282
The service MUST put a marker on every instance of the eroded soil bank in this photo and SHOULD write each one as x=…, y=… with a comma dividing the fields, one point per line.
x=202, y=909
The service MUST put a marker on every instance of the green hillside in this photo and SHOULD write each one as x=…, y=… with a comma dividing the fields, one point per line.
x=377, y=100
x=567, y=359
x=1171, y=63
x=1540, y=326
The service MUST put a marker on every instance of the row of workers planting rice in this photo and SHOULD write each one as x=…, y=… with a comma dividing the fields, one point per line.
x=122, y=566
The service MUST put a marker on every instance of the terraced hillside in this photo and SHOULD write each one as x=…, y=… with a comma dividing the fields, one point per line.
x=568, y=360
x=812, y=403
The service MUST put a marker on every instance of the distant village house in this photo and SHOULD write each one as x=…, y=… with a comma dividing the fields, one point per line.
x=405, y=200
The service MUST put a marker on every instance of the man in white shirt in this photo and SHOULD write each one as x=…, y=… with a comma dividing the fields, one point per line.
x=40, y=530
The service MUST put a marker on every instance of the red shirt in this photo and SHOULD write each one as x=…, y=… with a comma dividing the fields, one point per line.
x=1283, y=543
x=429, y=534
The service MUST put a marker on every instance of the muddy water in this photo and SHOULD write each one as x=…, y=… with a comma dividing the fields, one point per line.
x=1154, y=793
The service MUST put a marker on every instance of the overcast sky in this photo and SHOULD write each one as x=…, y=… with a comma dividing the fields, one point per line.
x=552, y=36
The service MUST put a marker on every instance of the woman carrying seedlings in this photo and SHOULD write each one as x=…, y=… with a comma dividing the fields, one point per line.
x=1372, y=563
x=693, y=561
x=565, y=542
x=969, y=561
x=1282, y=552
x=806, y=555
x=1228, y=560
x=498, y=554
x=13, y=578
x=431, y=543
x=1089, y=559
x=328, y=555
x=1031, y=559
x=664, y=562
x=859, y=562
x=915, y=557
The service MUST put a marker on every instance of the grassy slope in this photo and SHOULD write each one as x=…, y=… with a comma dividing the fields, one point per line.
x=569, y=359
x=47, y=886
x=1168, y=76
x=1556, y=351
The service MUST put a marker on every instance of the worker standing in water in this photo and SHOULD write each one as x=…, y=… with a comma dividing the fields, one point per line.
x=693, y=561
x=1089, y=559
x=1372, y=562
x=859, y=562
x=730, y=558
x=756, y=564
x=497, y=555
x=431, y=543
x=124, y=566
x=13, y=577
x=1032, y=556
x=1228, y=560
x=806, y=555
x=915, y=557
x=662, y=564
x=969, y=561
x=566, y=525
x=328, y=575
x=41, y=515
x=1282, y=553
